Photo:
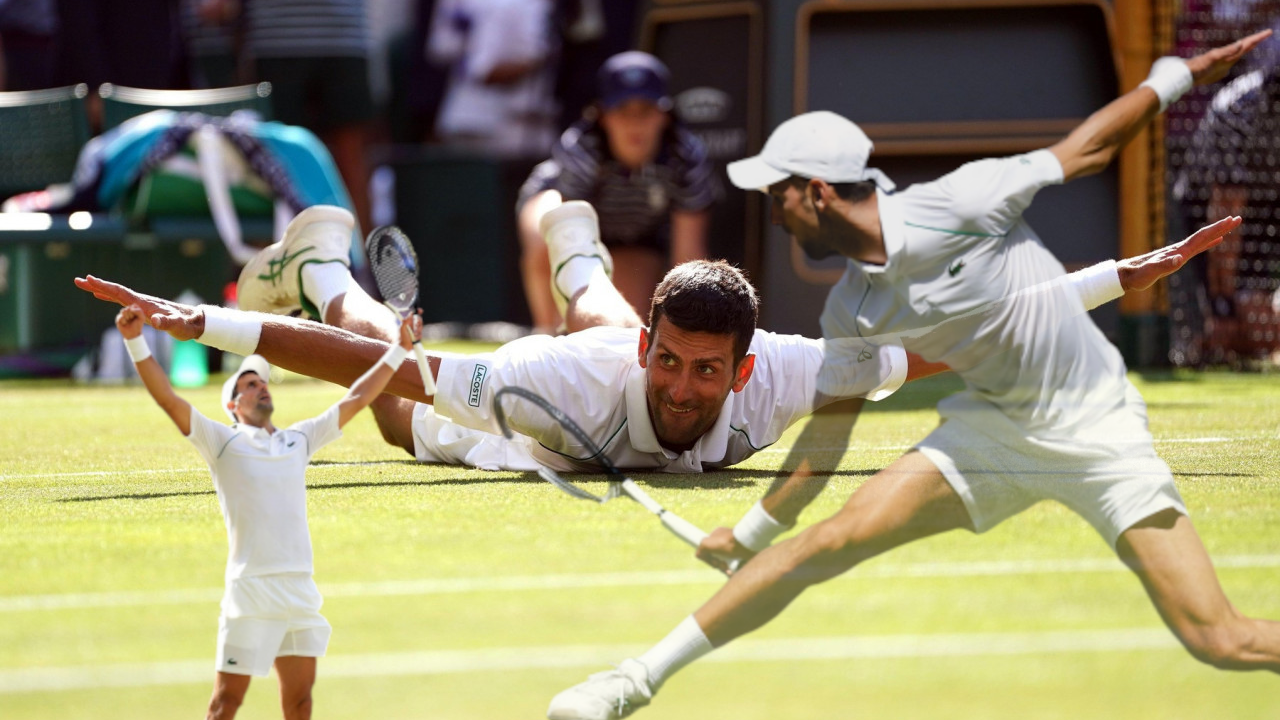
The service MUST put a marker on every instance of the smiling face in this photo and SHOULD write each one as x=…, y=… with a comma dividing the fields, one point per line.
x=634, y=131
x=791, y=206
x=251, y=402
x=688, y=375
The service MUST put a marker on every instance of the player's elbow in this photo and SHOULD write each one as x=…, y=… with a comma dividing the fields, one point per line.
x=1223, y=645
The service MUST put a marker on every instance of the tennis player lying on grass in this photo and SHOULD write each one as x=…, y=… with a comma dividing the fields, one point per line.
x=271, y=609
x=700, y=388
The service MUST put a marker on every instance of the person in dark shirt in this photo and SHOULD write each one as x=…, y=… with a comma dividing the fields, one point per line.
x=647, y=176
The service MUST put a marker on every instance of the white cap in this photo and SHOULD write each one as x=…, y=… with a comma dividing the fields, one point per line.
x=819, y=145
x=254, y=364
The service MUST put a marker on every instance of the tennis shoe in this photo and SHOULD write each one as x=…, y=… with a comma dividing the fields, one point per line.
x=572, y=230
x=605, y=695
x=271, y=282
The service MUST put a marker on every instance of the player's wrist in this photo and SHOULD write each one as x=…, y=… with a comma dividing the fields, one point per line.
x=1098, y=284
x=1170, y=78
x=229, y=330
x=137, y=348
x=757, y=529
x=394, y=356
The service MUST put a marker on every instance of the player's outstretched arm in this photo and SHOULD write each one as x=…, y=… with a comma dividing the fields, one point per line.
x=374, y=381
x=319, y=351
x=129, y=322
x=1096, y=142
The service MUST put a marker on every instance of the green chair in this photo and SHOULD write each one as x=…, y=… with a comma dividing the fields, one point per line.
x=41, y=133
x=119, y=103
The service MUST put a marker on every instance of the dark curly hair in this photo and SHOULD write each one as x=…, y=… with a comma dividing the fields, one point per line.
x=708, y=296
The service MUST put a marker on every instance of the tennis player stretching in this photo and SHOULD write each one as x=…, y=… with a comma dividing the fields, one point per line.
x=271, y=608
x=1047, y=412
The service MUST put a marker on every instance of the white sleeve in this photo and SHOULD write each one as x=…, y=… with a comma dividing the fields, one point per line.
x=580, y=374
x=853, y=367
x=989, y=196
x=319, y=430
x=208, y=437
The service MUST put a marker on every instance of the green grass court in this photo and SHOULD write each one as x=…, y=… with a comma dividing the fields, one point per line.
x=457, y=594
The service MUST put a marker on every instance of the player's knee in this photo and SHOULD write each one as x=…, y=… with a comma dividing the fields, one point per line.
x=224, y=704
x=298, y=708
x=1223, y=645
x=827, y=550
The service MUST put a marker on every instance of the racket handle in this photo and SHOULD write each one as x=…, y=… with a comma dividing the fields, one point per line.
x=683, y=529
x=428, y=382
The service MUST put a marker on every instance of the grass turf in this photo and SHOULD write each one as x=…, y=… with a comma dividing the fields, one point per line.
x=457, y=593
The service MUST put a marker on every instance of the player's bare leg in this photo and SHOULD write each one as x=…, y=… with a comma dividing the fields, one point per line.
x=906, y=501
x=228, y=696
x=297, y=677
x=1166, y=554
x=535, y=267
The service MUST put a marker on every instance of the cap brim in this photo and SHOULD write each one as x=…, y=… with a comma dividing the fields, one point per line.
x=754, y=173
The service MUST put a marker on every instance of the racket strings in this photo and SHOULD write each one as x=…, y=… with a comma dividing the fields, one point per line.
x=394, y=266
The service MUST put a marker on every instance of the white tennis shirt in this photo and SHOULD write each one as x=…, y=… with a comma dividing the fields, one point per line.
x=958, y=249
x=594, y=377
x=261, y=485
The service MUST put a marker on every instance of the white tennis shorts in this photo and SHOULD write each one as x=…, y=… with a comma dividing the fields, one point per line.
x=437, y=440
x=270, y=616
x=1113, y=478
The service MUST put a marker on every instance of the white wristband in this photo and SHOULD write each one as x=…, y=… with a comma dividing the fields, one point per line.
x=1097, y=284
x=757, y=529
x=1170, y=78
x=137, y=348
x=230, y=330
x=394, y=356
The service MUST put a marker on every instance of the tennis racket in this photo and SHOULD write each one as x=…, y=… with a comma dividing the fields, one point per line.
x=394, y=265
x=619, y=484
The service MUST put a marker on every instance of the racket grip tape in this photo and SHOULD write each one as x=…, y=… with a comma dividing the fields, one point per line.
x=428, y=381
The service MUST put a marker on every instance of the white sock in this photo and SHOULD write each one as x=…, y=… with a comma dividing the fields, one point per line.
x=684, y=645
x=322, y=282
x=577, y=273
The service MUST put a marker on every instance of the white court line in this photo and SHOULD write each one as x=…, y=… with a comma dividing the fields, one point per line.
x=601, y=656
x=525, y=583
x=766, y=451
x=194, y=468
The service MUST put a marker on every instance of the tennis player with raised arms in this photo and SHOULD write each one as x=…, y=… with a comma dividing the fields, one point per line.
x=271, y=608
x=1047, y=413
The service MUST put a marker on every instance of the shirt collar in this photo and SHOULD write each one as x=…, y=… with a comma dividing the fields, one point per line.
x=892, y=232
x=711, y=447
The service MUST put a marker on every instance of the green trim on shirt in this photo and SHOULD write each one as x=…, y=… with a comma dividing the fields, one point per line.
x=748, y=437
x=954, y=232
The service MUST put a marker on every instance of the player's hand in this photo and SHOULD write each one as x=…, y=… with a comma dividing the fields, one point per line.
x=1141, y=272
x=183, y=322
x=129, y=322
x=1212, y=66
x=411, y=330
x=721, y=549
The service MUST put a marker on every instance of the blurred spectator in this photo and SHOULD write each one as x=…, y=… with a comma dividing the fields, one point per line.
x=647, y=176
x=592, y=31
x=1231, y=166
x=315, y=54
x=28, y=34
x=212, y=45
x=501, y=56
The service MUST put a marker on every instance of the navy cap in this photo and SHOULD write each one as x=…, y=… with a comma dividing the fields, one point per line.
x=631, y=75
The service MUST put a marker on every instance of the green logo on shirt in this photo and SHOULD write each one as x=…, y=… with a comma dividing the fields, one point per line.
x=231, y=661
x=865, y=355
x=956, y=267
